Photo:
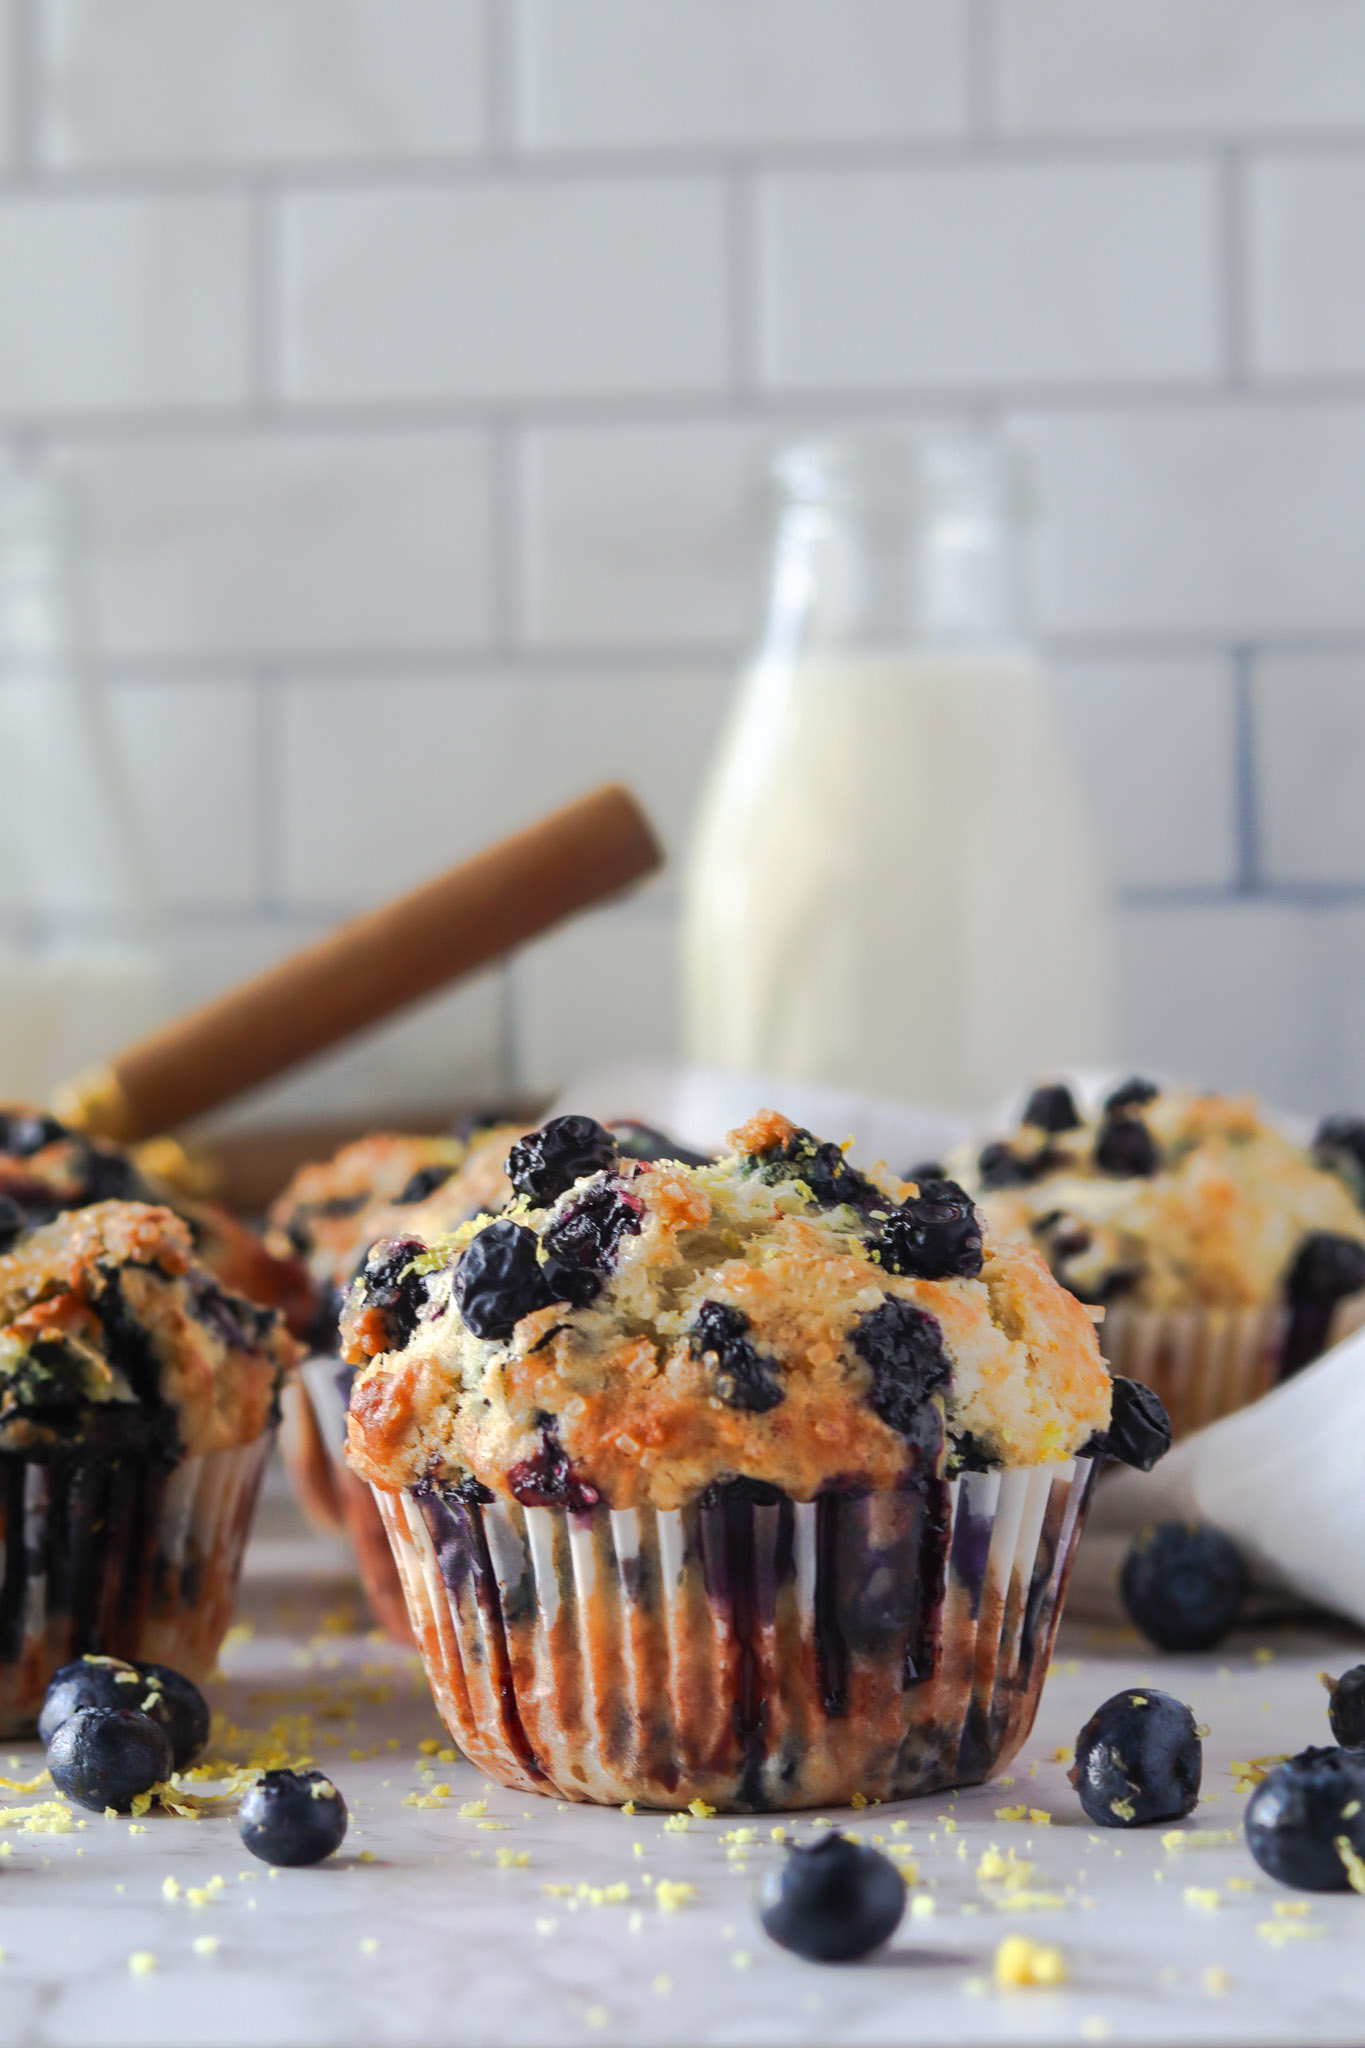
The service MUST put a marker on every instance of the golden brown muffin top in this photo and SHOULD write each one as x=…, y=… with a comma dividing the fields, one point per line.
x=636, y=1331
x=1165, y=1197
x=113, y=1335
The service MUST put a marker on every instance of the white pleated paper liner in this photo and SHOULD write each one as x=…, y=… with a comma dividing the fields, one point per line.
x=1284, y=1478
x=124, y=1556
x=755, y=1652
x=327, y=1386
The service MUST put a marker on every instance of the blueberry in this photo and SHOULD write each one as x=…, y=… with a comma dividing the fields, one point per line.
x=292, y=1818
x=904, y=1347
x=584, y=1238
x=1183, y=1584
x=1346, y=1707
x=1306, y=1820
x=1139, y=1427
x=928, y=1169
x=822, y=1168
x=833, y=1902
x=1132, y=1095
x=1125, y=1148
x=107, y=1756
x=1339, y=1147
x=13, y=1223
x=744, y=1379
x=933, y=1236
x=548, y=1479
x=999, y=1166
x=1051, y=1108
x=543, y=1164
x=393, y=1290
x=1138, y=1759
x=152, y=1689
x=424, y=1182
x=642, y=1141
x=499, y=1279
x=24, y=1132
x=1326, y=1267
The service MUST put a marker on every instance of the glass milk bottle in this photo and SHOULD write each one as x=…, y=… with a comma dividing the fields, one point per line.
x=80, y=971
x=892, y=886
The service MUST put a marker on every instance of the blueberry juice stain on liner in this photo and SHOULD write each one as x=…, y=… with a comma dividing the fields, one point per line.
x=749, y=1650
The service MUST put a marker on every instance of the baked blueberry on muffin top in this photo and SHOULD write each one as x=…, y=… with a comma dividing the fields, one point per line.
x=114, y=1337
x=1168, y=1198
x=634, y=1331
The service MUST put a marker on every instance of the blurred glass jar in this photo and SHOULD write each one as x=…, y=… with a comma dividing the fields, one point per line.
x=892, y=884
x=80, y=955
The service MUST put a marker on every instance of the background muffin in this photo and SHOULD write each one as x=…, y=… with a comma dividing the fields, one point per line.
x=701, y=1450
x=1221, y=1248
x=137, y=1403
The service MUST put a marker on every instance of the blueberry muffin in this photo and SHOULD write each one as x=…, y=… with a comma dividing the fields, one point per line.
x=47, y=1169
x=755, y=1481
x=328, y=1216
x=137, y=1404
x=1197, y=1223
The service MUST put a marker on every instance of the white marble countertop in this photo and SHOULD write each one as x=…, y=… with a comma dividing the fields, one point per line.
x=436, y=1941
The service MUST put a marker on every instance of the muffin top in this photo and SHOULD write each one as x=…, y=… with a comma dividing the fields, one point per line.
x=634, y=1331
x=114, y=1337
x=48, y=1169
x=1167, y=1198
x=390, y=1182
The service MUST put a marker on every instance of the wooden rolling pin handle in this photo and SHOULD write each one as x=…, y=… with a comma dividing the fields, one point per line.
x=371, y=967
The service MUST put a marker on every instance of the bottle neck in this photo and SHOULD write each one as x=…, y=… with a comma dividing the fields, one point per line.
x=869, y=561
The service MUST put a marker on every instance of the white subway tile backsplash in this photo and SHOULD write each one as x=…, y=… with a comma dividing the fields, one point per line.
x=518, y=287
x=285, y=544
x=641, y=74
x=977, y=274
x=644, y=535
x=1305, y=266
x=161, y=82
x=449, y=1048
x=476, y=757
x=192, y=757
x=119, y=302
x=603, y=989
x=1232, y=519
x=1154, y=748
x=1179, y=67
x=1248, y=995
x=1309, y=723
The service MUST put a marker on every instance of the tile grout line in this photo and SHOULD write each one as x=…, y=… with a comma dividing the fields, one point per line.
x=1246, y=818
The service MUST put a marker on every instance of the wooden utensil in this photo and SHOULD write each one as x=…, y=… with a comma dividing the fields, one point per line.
x=369, y=967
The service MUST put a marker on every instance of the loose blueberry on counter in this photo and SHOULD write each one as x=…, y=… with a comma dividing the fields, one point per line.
x=1306, y=1820
x=1346, y=1707
x=292, y=1818
x=543, y=1164
x=1139, y=1427
x=1138, y=1759
x=107, y=1756
x=933, y=1236
x=744, y=1379
x=152, y=1689
x=1052, y=1108
x=1339, y=1147
x=1126, y=1149
x=1327, y=1267
x=499, y=1279
x=1183, y=1584
x=833, y=1902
